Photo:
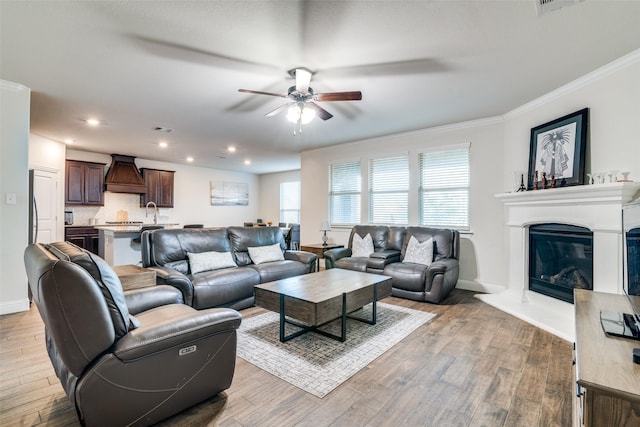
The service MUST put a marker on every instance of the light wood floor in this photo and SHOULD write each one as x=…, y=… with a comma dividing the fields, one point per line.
x=472, y=365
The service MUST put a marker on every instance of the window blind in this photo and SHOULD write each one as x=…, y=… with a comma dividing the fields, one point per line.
x=290, y=202
x=344, y=193
x=389, y=190
x=444, y=188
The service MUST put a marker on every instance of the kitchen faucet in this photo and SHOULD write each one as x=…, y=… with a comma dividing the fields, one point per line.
x=155, y=211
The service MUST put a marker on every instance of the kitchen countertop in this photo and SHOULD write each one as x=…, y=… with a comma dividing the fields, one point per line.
x=132, y=228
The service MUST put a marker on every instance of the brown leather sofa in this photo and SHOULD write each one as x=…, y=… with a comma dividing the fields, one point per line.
x=409, y=280
x=118, y=368
x=166, y=251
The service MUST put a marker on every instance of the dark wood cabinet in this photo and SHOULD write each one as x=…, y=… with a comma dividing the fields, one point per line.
x=159, y=187
x=85, y=237
x=84, y=182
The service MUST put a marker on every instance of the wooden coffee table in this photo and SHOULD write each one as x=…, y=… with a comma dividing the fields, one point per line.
x=312, y=300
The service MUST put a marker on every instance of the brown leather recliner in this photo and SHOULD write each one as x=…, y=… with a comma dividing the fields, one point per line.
x=118, y=369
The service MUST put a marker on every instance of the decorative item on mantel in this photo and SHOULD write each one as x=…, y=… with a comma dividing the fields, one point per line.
x=324, y=227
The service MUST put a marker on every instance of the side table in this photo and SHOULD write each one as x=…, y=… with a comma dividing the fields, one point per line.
x=134, y=277
x=319, y=249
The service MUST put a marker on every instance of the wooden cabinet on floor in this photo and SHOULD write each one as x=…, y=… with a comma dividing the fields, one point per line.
x=608, y=382
x=84, y=183
x=159, y=187
x=85, y=237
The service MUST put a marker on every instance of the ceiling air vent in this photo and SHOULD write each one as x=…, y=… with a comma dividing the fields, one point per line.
x=546, y=6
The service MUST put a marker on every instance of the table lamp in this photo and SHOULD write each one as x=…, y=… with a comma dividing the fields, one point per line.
x=324, y=227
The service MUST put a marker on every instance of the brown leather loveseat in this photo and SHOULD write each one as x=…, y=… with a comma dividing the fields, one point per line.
x=120, y=366
x=428, y=280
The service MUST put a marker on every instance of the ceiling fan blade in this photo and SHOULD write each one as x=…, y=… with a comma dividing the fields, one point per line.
x=303, y=78
x=338, y=96
x=259, y=92
x=321, y=112
x=279, y=109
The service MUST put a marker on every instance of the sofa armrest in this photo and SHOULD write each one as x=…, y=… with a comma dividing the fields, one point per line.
x=142, y=299
x=378, y=260
x=169, y=276
x=445, y=270
x=389, y=255
x=333, y=255
x=304, y=257
x=172, y=326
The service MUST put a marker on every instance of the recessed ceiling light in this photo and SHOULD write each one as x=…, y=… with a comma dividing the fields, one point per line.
x=93, y=122
x=163, y=144
x=163, y=129
x=189, y=159
x=247, y=162
x=231, y=149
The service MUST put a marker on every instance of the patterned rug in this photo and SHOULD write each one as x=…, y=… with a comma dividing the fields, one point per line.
x=318, y=364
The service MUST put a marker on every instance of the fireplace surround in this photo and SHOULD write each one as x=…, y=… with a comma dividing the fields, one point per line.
x=594, y=207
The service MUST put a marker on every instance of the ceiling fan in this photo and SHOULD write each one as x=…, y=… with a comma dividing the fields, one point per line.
x=302, y=108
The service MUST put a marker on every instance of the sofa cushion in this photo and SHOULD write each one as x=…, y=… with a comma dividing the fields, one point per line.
x=219, y=288
x=105, y=277
x=362, y=247
x=407, y=276
x=262, y=254
x=419, y=253
x=353, y=263
x=172, y=245
x=277, y=270
x=212, y=260
x=243, y=238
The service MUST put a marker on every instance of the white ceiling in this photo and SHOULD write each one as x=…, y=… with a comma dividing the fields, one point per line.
x=178, y=64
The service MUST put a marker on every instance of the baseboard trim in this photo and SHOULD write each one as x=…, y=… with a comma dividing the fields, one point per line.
x=14, y=306
x=486, y=288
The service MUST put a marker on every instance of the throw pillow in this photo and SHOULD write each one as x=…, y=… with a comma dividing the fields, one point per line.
x=361, y=247
x=262, y=254
x=419, y=253
x=206, y=261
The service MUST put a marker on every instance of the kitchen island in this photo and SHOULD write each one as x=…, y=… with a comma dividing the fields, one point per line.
x=117, y=245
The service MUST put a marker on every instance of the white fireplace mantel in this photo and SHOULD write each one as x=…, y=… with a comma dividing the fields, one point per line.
x=596, y=207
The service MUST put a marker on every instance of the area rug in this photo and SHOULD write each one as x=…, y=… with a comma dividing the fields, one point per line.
x=317, y=364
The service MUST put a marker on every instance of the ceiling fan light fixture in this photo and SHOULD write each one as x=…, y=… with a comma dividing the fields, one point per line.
x=293, y=114
x=307, y=115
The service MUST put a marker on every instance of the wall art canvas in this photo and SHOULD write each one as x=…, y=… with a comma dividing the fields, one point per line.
x=558, y=150
x=225, y=193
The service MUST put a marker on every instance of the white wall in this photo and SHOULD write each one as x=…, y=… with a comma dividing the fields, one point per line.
x=270, y=193
x=15, y=102
x=481, y=250
x=49, y=155
x=612, y=95
x=192, y=202
x=499, y=147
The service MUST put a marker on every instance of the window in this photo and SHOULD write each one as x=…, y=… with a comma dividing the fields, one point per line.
x=290, y=202
x=344, y=193
x=444, y=188
x=389, y=190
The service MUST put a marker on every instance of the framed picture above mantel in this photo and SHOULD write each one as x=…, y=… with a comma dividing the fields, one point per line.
x=558, y=150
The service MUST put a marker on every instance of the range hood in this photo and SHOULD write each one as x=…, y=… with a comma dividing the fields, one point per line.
x=123, y=176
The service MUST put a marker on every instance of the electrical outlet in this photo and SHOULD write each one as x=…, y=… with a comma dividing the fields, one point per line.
x=11, y=198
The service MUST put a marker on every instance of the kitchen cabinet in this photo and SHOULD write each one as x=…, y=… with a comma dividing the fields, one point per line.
x=159, y=187
x=84, y=182
x=85, y=237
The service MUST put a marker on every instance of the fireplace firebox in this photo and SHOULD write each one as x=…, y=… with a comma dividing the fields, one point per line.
x=560, y=259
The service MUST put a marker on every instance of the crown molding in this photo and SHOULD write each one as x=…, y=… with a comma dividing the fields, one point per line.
x=14, y=87
x=600, y=73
